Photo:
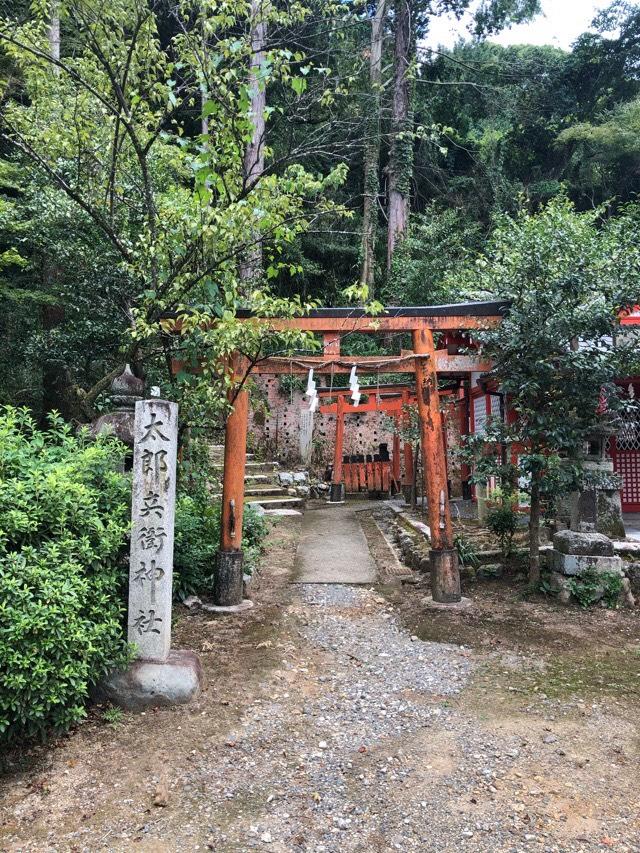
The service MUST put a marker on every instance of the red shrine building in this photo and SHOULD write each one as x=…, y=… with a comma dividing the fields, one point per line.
x=624, y=447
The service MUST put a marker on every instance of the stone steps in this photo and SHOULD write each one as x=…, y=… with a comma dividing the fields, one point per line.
x=264, y=491
x=262, y=486
x=277, y=502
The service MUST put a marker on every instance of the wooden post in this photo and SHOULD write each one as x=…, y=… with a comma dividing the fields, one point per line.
x=445, y=576
x=408, y=463
x=227, y=586
x=331, y=343
x=395, y=461
x=408, y=486
x=444, y=414
x=465, y=470
x=337, y=493
x=408, y=483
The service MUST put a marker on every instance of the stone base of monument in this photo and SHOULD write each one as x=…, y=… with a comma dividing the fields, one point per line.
x=150, y=683
x=578, y=564
x=245, y=604
x=578, y=555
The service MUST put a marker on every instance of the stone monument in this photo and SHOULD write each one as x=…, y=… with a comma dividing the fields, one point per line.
x=159, y=676
x=579, y=554
x=153, y=507
x=306, y=435
x=598, y=504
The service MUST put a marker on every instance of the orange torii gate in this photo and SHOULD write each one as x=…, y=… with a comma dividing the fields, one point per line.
x=424, y=361
x=389, y=398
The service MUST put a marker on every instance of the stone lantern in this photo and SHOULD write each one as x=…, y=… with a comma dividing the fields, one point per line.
x=126, y=389
x=598, y=505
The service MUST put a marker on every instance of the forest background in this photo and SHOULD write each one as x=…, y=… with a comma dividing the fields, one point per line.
x=384, y=163
x=165, y=163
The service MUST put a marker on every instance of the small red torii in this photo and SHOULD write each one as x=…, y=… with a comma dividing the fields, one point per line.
x=372, y=476
x=392, y=399
x=630, y=316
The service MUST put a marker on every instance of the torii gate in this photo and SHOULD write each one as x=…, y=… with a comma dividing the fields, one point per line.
x=424, y=361
x=391, y=399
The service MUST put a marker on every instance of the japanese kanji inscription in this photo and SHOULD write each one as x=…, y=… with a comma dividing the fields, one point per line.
x=152, y=518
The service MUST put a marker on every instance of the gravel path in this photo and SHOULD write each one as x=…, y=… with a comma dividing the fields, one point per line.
x=360, y=749
x=328, y=764
x=331, y=728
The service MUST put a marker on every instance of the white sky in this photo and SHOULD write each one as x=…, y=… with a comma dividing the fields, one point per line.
x=561, y=22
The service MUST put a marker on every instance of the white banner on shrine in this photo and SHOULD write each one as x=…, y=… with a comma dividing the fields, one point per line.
x=306, y=435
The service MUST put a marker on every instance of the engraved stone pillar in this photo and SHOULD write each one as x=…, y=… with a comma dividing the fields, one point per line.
x=153, y=507
x=160, y=675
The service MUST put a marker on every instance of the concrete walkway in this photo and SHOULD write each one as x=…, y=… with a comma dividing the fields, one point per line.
x=333, y=548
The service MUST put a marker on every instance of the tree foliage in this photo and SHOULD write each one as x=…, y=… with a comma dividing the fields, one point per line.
x=114, y=127
x=554, y=355
x=124, y=204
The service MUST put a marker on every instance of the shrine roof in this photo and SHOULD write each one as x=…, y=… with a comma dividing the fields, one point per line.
x=462, y=309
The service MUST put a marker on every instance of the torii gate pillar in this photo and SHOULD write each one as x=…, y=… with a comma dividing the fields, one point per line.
x=445, y=575
x=408, y=484
x=337, y=493
x=228, y=576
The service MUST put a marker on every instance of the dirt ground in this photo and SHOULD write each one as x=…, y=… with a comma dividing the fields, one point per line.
x=536, y=748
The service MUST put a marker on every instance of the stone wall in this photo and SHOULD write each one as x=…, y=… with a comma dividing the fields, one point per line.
x=275, y=427
x=276, y=422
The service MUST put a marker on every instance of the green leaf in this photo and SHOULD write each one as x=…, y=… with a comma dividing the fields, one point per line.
x=299, y=85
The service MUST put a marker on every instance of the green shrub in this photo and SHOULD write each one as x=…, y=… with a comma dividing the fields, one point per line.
x=197, y=533
x=254, y=530
x=197, y=538
x=502, y=521
x=64, y=516
x=467, y=551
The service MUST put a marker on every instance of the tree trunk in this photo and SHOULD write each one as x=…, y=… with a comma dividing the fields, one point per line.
x=204, y=94
x=253, y=165
x=372, y=150
x=534, y=530
x=54, y=34
x=401, y=155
